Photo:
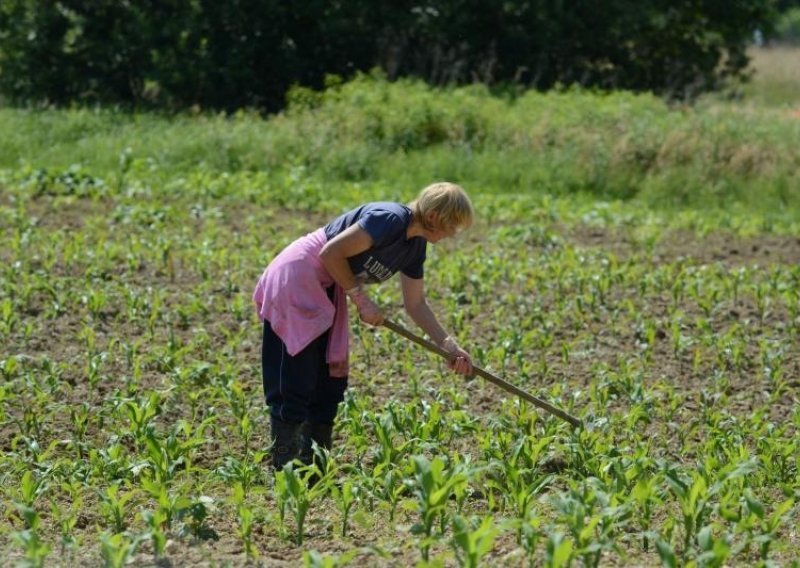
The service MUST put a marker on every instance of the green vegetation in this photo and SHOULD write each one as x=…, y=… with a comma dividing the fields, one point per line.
x=787, y=28
x=248, y=53
x=633, y=263
x=614, y=146
x=776, y=79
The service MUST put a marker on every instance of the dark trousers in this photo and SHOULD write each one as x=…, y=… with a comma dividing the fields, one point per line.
x=299, y=388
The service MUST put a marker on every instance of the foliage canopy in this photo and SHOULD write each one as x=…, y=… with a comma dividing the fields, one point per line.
x=247, y=53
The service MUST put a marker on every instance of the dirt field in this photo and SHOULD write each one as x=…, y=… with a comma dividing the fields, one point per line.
x=196, y=272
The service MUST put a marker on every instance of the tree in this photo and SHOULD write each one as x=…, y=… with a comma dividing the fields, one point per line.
x=247, y=53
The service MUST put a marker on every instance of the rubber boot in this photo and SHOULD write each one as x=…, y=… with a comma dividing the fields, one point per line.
x=289, y=442
x=322, y=434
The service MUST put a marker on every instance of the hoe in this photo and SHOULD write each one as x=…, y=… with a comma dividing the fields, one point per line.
x=486, y=375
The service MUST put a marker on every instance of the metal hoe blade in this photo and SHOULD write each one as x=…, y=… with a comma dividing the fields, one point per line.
x=544, y=405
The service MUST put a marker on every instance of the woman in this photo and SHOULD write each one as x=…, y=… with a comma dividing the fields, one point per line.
x=302, y=299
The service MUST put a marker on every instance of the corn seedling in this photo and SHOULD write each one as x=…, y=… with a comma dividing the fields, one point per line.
x=245, y=519
x=293, y=492
x=346, y=497
x=472, y=542
x=117, y=549
x=113, y=507
x=433, y=484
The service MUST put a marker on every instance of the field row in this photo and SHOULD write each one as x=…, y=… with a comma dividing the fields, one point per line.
x=133, y=423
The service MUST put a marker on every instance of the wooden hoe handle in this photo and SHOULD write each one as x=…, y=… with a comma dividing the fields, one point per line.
x=430, y=346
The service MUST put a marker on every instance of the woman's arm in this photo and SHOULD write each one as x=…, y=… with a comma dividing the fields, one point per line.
x=417, y=307
x=334, y=255
x=335, y=252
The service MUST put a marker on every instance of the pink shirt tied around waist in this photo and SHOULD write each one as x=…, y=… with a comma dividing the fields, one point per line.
x=291, y=294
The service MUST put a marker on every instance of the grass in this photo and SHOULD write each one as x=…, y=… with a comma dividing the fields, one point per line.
x=776, y=77
x=612, y=146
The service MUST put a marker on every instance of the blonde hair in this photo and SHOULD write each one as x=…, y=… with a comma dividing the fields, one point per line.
x=450, y=203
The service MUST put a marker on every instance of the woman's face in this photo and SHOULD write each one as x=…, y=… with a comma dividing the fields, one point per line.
x=437, y=230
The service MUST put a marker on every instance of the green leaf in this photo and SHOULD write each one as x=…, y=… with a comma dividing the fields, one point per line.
x=559, y=551
x=666, y=554
x=705, y=539
x=753, y=505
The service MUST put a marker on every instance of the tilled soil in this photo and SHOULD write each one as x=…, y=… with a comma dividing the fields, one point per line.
x=59, y=341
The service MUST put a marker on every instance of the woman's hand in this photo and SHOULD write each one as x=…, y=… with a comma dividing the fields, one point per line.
x=459, y=360
x=368, y=311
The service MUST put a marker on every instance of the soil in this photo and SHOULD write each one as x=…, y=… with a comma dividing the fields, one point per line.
x=58, y=341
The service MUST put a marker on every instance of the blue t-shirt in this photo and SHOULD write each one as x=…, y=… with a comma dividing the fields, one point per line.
x=386, y=222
